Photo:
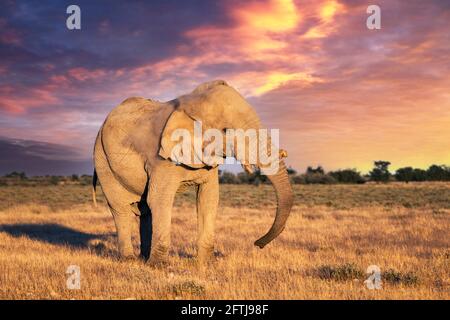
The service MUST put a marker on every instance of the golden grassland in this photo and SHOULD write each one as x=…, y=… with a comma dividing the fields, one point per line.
x=334, y=233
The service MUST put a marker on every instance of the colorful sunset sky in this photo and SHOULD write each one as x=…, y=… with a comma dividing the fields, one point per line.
x=342, y=95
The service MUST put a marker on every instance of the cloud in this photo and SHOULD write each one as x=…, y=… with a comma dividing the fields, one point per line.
x=9, y=35
x=273, y=16
x=40, y=158
x=344, y=95
x=325, y=14
x=16, y=100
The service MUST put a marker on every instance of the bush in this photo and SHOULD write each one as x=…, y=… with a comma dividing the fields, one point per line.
x=85, y=180
x=419, y=175
x=314, y=178
x=243, y=178
x=396, y=277
x=347, y=176
x=298, y=179
x=405, y=174
x=189, y=287
x=438, y=173
x=342, y=272
x=17, y=175
x=54, y=180
x=433, y=173
x=228, y=178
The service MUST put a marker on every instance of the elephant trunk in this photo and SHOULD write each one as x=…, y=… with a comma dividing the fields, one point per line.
x=285, y=199
x=281, y=184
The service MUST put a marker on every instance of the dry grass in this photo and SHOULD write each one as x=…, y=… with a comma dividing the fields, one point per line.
x=333, y=235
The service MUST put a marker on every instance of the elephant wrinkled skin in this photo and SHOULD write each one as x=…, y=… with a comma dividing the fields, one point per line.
x=138, y=178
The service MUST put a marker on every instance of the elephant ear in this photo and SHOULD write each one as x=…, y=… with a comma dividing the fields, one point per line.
x=180, y=145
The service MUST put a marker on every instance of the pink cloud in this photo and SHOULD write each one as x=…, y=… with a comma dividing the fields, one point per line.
x=83, y=74
x=8, y=35
x=15, y=101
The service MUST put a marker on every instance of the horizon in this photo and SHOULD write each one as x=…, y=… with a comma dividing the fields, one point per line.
x=343, y=96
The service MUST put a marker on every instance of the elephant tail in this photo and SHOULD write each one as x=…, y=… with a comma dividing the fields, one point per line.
x=94, y=187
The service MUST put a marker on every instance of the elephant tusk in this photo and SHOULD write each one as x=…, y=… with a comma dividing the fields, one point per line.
x=283, y=154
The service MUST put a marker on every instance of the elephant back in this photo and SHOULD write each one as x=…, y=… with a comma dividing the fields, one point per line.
x=122, y=137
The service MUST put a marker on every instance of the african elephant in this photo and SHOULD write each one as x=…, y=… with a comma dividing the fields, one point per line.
x=138, y=177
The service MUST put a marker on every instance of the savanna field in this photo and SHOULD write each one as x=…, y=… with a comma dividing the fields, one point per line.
x=335, y=232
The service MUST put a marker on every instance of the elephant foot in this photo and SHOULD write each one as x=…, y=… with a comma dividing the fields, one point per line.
x=159, y=257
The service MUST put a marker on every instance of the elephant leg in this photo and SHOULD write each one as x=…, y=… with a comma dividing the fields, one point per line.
x=145, y=229
x=123, y=222
x=160, y=199
x=119, y=200
x=207, y=203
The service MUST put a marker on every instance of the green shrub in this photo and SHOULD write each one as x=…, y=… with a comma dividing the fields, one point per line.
x=228, y=178
x=347, y=271
x=347, y=176
x=54, y=180
x=395, y=277
x=189, y=287
x=314, y=178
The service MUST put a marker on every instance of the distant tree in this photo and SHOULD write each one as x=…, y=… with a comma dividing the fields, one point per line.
x=312, y=176
x=319, y=169
x=298, y=179
x=291, y=171
x=380, y=173
x=228, y=178
x=55, y=180
x=257, y=177
x=75, y=177
x=438, y=173
x=317, y=178
x=17, y=175
x=347, y=176
x=85, y=180
x=243, y=178
x=405, y=174
x=419, y=175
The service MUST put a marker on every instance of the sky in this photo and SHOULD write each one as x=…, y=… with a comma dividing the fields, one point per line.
x=341, y=94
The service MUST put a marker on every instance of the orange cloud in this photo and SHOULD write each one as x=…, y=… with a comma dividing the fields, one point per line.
x=255, y=84
x=275, y=16
x=264, y=33
x=326, y=13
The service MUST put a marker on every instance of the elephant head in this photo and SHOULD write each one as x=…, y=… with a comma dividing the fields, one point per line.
x=217, y=105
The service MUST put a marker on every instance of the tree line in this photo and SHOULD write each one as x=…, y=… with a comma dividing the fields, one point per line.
x=380, y=173
x=20, y=178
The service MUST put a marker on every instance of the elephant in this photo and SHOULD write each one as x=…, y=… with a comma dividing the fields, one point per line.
x=139, y=178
